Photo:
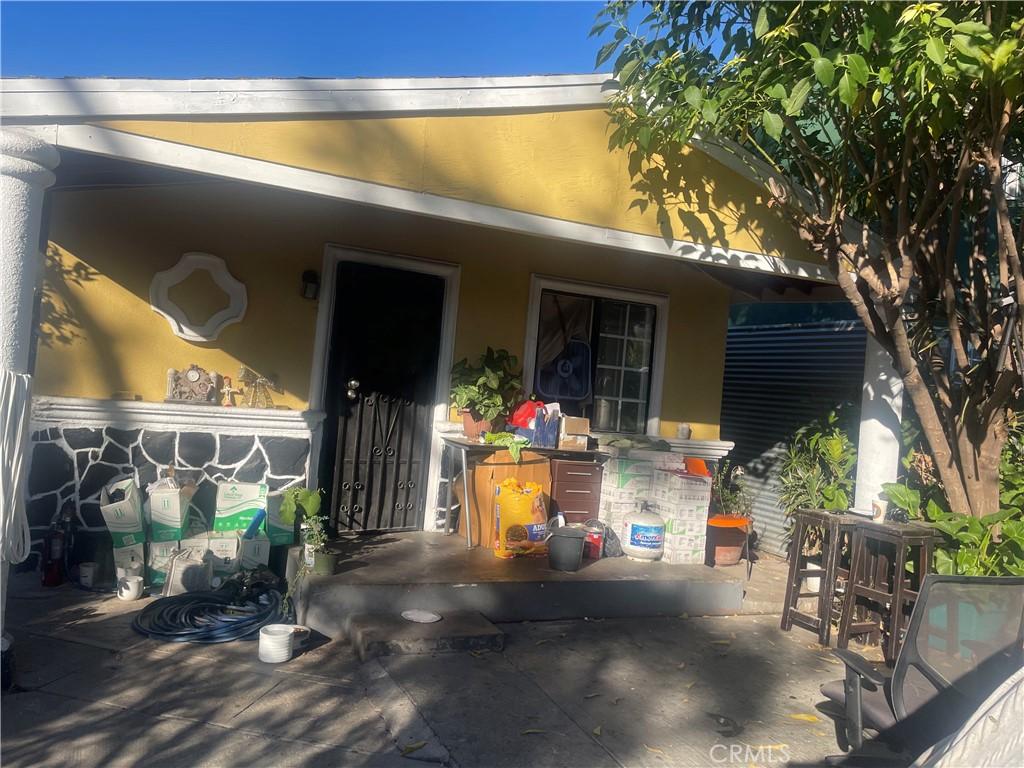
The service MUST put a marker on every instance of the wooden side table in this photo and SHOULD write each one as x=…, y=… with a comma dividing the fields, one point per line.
x=836, y=532
x=879, y=580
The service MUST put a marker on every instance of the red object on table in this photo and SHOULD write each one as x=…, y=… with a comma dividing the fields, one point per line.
x=522, y=415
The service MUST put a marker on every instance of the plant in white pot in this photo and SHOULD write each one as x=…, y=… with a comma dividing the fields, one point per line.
x=317, y=554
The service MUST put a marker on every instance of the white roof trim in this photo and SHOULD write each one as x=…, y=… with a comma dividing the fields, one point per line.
x=111, y=143
x=92, y=98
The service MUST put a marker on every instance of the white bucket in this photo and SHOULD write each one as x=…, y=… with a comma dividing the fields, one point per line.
x=133, y=569
x=130, y=588
x=86, y=574
x=276, y=643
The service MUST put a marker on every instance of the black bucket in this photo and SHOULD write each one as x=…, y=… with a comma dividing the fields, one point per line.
x=565, y=548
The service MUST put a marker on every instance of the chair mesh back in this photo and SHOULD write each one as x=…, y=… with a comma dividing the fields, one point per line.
x=969, y=634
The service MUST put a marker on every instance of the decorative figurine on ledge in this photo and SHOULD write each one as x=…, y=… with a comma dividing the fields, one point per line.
x=193, y=385
x=228, y=393
x=257, y=388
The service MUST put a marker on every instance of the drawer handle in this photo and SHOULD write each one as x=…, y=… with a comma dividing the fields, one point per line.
x=580, y=474
x=569, y=491
x=576, y=512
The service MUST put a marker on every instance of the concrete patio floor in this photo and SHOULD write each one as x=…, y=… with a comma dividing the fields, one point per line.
x=617, y=692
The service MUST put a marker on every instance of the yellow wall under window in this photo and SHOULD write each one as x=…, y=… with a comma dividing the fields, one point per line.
x=100, y=337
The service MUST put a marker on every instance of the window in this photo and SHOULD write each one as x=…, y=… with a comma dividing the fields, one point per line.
x=594, y=355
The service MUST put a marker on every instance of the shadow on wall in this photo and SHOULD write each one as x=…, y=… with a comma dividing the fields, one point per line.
x=59, y=324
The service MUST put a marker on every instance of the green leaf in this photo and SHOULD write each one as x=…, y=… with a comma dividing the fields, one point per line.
x=778, y=91
x=847, y=90
x=997, y=517
x=858, y=68
x=606, y=52
x=643, y=136
x=287, y=511
x=935, y=50
x=907, y=499
x=885, y=75
x=693, y=96
x=627, y=71
x=772, y=124
x=824, y=71
x=795, y=103
x=761, y=25
x=975, y=28
x=812, y=50
x=865, y=37
x=966, y=47
x=943, y=21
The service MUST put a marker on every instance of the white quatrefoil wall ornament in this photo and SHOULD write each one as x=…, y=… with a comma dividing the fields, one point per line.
x=181, y=324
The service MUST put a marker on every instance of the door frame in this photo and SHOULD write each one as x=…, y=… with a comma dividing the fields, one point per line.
x=451, y=274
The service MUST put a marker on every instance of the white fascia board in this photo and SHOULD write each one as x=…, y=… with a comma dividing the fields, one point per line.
x=92, y=98
x=126, y=146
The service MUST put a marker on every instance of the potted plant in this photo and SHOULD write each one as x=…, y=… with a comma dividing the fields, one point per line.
x=731, y=505
x=315, y=540
x=485, y=393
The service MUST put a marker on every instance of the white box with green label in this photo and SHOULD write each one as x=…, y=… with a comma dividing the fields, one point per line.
x=124, y=517
x=223, y=547
x=168, y=514
x=237, y=504
x=254, y=552
x=158, y=560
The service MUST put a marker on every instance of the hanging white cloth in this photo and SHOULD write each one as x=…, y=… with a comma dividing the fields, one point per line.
x=15, y=401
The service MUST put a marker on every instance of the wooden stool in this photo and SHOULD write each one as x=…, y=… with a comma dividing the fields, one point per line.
x=836, y=529
x=879, y=580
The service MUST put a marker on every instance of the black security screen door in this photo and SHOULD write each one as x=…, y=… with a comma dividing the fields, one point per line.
x=382, y=375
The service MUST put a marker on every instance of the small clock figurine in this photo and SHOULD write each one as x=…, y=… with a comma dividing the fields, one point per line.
x=193, y=385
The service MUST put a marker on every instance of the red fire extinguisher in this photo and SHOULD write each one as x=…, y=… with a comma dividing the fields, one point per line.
x=55, y=547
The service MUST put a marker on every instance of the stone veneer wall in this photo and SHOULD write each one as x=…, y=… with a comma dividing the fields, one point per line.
x=72, y=463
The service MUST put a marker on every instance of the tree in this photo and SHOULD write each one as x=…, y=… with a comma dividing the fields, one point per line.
x=882, y=133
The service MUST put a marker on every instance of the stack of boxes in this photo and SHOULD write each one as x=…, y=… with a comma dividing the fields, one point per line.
x=171, y=526
x=681, y=499
x=625, y=484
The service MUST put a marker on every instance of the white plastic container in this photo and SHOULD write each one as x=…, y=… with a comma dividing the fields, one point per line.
x=87, y=574
x=276, y=643
x=643, y=535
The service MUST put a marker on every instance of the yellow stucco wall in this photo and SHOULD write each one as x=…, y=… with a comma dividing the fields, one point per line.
x=552, y=163
x=100, y=337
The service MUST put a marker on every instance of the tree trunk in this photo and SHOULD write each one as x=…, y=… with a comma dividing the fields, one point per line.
x=980, y=448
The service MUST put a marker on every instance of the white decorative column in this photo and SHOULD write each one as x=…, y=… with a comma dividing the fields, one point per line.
x=25, y=173
x=26, y=170
x=881, y=410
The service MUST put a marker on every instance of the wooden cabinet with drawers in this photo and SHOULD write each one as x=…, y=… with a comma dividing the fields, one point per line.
x=575, y=489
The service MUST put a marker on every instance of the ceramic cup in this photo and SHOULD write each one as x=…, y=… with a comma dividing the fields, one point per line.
x=130, y=588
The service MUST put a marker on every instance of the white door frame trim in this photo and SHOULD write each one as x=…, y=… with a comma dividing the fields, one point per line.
x=142, y=149
x=451, y=274
x=660, y=301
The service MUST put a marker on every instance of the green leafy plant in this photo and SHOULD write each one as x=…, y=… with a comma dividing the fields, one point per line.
x=817, y=471
x=308, y=500
x=488, y=389
x=729, y=492
x=514, y=443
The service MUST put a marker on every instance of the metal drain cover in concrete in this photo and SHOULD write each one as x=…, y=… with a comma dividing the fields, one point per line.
x=379, y=634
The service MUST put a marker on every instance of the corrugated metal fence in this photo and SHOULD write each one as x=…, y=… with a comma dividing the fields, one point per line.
x=778, y=378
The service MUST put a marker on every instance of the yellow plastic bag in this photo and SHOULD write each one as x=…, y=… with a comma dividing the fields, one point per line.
x=520, y=519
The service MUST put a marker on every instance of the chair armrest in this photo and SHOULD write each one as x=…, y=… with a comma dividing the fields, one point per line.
x=861, y=667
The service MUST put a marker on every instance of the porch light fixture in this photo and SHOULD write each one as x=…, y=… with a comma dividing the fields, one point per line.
x=161, y=303
x=310, y=285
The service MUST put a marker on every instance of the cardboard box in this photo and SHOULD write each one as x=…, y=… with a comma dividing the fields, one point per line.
x=158, y=560
x=278, y=531
x=574, y=425
x=223, y=547
x=237, y=504
x=123, y=518
x=683, y=556
x=254, y=552
x=628, y=467
x=573, y=442
x=686, y=527
x=124, y=556
x=167, y=514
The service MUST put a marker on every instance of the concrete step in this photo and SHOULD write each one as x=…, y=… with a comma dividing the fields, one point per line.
x=377, y=634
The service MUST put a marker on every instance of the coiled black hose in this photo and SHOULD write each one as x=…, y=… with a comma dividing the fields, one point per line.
x=210, y=617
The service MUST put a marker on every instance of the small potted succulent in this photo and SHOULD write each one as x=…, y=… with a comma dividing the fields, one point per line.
x=316, y=554
x=484, y=393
